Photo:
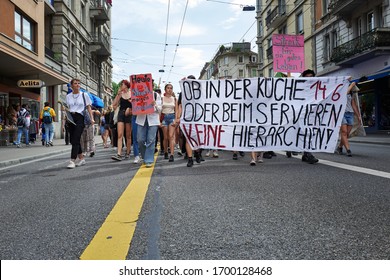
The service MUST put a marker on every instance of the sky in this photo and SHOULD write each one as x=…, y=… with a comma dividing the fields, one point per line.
x=146, y=40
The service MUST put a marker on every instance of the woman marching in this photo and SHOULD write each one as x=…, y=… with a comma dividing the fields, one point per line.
x=168, y=122
x=123, y=100
x=75, y=101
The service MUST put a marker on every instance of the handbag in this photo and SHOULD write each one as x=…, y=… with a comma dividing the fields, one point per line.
x=115, y=118
x=87, y=116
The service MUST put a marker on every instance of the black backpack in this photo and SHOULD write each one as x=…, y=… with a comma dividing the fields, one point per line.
x=46, y=116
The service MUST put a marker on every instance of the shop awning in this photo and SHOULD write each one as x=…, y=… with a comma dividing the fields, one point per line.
x=377, y=75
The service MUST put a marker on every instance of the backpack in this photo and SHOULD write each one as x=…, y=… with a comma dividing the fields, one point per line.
x=46, y=116
x=21, y=121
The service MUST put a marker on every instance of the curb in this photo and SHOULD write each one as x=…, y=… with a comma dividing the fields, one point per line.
x=30, y=158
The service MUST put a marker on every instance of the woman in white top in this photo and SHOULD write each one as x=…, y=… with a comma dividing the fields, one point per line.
x=76, y=105
x=168, y=121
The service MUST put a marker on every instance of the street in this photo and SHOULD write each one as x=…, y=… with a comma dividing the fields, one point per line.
x=220, y=209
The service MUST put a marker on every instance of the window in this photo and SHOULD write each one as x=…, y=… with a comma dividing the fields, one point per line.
x=300, y=23
x=370, y=21
x=325, y=6
x=71, y=48
x=226, y=60
x=253, y=58
x=240, y=59
x=24, y=31
x=334, y=40
x=359, y=27
x=225, y=73
x=241, y=73
x=327, y=48
x=254, y=72
x=261, y=31
x=270, y=72
x=83, y=16
x=283, y=29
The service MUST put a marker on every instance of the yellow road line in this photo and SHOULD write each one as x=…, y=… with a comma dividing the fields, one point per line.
x=112, y=241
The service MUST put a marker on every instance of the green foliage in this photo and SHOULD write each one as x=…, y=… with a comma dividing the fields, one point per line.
x=115, y=88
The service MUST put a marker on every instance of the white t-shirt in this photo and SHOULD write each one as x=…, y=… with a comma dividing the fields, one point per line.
x=76, y=102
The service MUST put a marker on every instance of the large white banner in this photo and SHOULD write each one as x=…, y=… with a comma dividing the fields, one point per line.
x=264, y=114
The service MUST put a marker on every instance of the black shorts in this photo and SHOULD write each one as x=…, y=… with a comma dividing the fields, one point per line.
x=123, y=118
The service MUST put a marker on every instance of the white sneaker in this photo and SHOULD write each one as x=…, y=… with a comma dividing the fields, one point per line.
x=253, y=162
x=137, y=159
x=215, y=154
x=80, y=163
x=207, y=154
x=71, y=165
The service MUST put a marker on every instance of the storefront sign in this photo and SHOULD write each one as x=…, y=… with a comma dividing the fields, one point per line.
x=31, y=83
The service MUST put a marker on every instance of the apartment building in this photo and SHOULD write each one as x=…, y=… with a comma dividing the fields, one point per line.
x=232, y=62
x=352, y=38
x=45, y=43
x=292, y=17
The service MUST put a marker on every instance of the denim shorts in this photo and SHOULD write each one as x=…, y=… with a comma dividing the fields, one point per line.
x=168, y=119
x=348, y=118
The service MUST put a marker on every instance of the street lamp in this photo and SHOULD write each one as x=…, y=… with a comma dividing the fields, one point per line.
x=248, y=8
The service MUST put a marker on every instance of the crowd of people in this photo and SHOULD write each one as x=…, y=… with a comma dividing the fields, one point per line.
x=143, y=134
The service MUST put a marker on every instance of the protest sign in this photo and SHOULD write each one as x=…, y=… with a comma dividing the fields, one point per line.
x=288, y=53
x=263, y=114
x=141, y=86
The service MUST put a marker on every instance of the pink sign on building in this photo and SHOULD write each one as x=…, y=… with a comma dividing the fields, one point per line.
x=288, y=53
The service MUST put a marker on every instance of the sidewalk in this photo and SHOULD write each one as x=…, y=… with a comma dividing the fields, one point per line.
x=10, y=155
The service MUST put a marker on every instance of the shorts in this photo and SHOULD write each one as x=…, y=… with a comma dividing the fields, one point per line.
x=348, y=118
x=168, y=119
x=123, y=118
x=102, y=129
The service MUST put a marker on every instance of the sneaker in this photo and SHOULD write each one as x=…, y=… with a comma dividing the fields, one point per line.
x=241, y=154
x=18, y=145
x=260, y=160
x=309, y=158
x=161, y=152
x=127, y=156
x=137, y=159
x=235, y=156
x=51, y=143
x=267, y=155
x=339, y=150
x=215, y=154
x=71, y=165
x=197, y=157
x=171, y=158
x=179, y=153
x=81, y=163
x=165, y=155
x=47, y=145
x=253, y=162
x=207, y=154
x=117, y=157
x=272, y=153
x=288, y=154
x=349, y=153
x=92, y=154
x=190, y=162
x=148, y=165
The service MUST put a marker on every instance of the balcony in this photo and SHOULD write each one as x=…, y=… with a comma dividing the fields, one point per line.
x=101, y=45
x=100, y=11
x=370, y=44
x=345, y=8
x=276, y=17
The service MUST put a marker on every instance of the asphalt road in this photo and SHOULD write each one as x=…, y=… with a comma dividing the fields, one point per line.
x=220, y=209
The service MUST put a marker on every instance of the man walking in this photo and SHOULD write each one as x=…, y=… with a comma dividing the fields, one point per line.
x=47, y=118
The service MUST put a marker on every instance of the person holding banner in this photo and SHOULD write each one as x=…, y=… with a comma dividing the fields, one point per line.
x=307, y=156
x=146, y=133
x=123, y=100
x=346, y=124
x=168, y=121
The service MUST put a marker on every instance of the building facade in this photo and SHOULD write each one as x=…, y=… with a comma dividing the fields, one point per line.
x=45, y=43
x=232, y=62
x=292, y=17
x=353, y=39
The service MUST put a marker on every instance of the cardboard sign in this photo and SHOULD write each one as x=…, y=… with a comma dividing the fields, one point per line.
x=288, y=53
x=141, y=86
x=264, y=114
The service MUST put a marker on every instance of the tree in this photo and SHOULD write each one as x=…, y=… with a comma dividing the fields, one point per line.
x=115, y=88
